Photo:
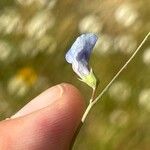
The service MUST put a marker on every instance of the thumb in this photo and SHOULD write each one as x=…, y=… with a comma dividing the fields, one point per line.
x=44, y=127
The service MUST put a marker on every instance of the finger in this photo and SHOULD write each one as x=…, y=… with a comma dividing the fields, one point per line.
x=50, y=128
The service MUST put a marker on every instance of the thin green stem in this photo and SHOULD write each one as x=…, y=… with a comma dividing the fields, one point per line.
x=86, y=112
x=93, y=95
x=113, y=79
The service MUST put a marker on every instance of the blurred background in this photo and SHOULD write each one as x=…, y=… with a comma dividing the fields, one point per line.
x=34, y=37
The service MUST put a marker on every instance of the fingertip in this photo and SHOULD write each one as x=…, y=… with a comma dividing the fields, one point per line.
x=73, y=95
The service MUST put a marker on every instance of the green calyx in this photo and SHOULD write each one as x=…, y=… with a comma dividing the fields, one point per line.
x=90, y=80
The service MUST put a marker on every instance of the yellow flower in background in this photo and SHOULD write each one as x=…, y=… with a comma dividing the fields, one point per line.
x=28, y=75
x=20, y=83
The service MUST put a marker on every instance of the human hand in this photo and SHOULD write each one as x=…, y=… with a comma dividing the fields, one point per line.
x=48, y=122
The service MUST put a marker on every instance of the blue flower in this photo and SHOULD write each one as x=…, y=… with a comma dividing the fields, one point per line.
x=79, y=54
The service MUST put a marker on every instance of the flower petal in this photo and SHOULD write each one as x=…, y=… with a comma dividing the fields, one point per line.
x=79, y=53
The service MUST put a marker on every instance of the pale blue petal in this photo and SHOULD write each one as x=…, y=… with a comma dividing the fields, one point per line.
x=79, y=53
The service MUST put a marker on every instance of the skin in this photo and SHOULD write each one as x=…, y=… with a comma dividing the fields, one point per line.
x=48, y=122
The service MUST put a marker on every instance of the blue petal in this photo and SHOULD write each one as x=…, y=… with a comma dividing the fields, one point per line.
x=82, y=47
x=80, y=68
x=89, y=42
x=69, y=57
x=79, y=53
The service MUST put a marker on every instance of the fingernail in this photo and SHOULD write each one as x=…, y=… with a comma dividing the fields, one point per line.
x=43, y=100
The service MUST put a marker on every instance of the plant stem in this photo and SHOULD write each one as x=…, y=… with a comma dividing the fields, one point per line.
x=93, y=95
x=113, y=79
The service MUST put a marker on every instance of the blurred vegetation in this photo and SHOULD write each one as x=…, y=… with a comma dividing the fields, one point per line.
x=34, y=36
